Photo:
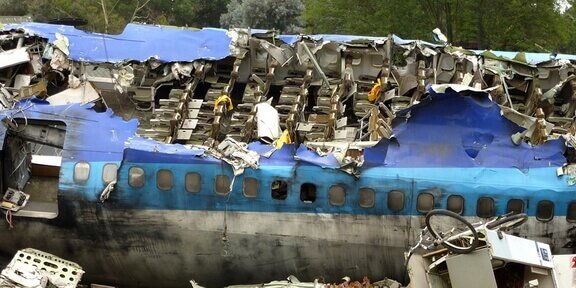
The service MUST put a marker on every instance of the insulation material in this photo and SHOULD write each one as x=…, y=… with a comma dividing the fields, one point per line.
x=14, y=57
x=84, y=93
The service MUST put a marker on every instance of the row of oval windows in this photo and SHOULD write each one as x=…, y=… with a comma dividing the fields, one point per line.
x=485, y=206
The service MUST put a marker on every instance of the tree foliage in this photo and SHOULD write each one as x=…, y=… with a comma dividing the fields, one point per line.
x=369, y=17
x=112, y=15
x=527, y=25
x=265, y=14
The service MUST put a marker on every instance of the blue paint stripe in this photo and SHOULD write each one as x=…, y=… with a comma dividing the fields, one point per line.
x=472, y=183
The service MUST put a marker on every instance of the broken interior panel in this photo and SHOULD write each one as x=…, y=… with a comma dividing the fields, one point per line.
x=31, y=159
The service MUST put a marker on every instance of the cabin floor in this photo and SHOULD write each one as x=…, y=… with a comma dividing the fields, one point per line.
x=43, y=202
x=34, y=169
x=42, y=189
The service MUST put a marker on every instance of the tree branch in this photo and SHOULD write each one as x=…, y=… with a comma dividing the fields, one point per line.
x=138, y=8
x=105, y=15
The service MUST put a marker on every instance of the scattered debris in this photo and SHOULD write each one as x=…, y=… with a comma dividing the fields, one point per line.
x=292, y=281
x=36, y=269
x=237, y=155
x=498, y=259
x=14, y=200
x=30, y=66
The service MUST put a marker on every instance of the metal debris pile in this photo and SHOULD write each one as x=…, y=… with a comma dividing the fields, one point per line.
x=292, y=281
x=31, y=66
x=36, y=269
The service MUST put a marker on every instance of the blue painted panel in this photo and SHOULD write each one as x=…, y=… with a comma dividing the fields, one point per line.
x=451, y=130
x=501, y=184
x=83, y=191
x=327, y=161
x=141, y=42
x=137, y=42
x=89, y=135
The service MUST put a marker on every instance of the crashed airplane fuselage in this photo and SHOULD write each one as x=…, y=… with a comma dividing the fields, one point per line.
x=256, y=156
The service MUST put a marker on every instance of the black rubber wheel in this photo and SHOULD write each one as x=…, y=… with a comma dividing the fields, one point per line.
x=452, y=245
x=508, y=222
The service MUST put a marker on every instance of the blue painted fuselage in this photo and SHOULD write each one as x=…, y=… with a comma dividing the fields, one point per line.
x=173, y=217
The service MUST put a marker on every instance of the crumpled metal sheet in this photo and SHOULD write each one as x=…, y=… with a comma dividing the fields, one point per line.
x=450, y=130
x=531, y=58
x=140, y=42
x=264, y=150
x=137, y=42
x=150, y=145
x=237, y=155
x=273, y=156
x=123, y=78
x=325, y=161
x=291, y=39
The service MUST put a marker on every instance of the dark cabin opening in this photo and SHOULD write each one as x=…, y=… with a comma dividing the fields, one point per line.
x=279, y=190
x=308, y=193
x=31, y=160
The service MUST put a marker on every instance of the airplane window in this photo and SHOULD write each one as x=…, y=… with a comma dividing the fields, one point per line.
x=193, y=182
x=366, y=197
x=109, y=172
x=222, y=184
x=308, y=192
x=136, y=177
x=515, y=205
x=337, y=195
x=545, y=211
x=571, y=214
x=250, y=186
x=81, y=171
x=279, y=190
x=455, y=203
x=485, y=207
x=425, y=203
x=164, y=179
x=396, y=200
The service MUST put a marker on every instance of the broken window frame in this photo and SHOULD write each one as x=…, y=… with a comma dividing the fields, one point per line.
x=280, y=193
x=308, y=192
